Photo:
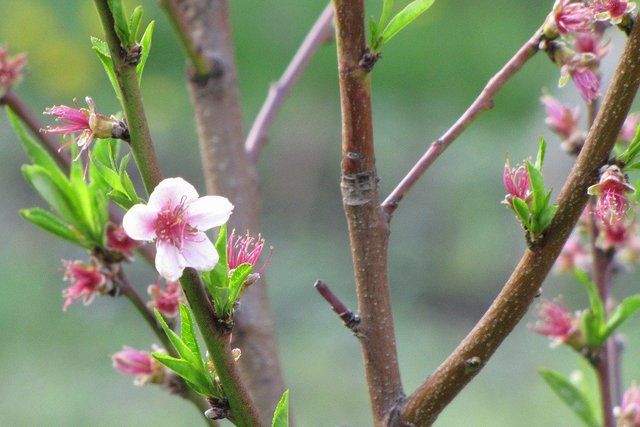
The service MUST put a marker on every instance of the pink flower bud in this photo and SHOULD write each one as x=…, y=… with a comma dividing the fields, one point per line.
x=516, y=182
x=10, y=69
x=562, y=120
x=568, y=17
x=86, y=282
x=146, y=369
x=166, y=301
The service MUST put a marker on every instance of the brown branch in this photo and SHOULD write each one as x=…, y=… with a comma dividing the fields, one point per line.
x=483, y=102
x=321, y=31
x=348, y=317
x=430, y=398
x=228, y=172
x=368, y=226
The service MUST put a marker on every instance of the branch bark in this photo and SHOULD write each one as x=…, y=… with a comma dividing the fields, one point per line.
x=367, y=223
x=425, y=404
x=228, y=172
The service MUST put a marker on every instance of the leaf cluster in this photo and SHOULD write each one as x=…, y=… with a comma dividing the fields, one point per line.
x=388, y=27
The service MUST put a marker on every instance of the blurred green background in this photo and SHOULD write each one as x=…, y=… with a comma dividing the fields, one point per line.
x=452, y=244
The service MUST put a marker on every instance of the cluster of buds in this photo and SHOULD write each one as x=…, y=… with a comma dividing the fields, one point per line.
x=87, y=281
x=140, y=364
x=11, y=69
x=574, y=41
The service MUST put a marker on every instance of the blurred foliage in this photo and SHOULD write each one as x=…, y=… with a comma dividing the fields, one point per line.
x=452, y=245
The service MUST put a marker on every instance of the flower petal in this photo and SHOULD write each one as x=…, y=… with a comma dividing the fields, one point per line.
x=140, y=222
x=171, y=192
x=199, y=253
x=169, y=261
x=208, y=212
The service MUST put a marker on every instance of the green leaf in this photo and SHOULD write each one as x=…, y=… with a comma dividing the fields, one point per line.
x=546, y=217
x=237, y=279
x=221, y=245
x=102, y=50
x=595, y=320
x=522, y=210
x=570, y=395
x=48, y=189
x=120, y=24
x=537, y=190
x=373, y=31
x=188, y=333
x=145, y=42
x=120, y=199
x=125, y=180
x=36, y=152
x=134, y=24
x=387, y=6
x=404, y=18
x=629, y=155
x=197, y=380
x=542, y=147
x=109, y=175
x=622, y=312
x=281, y=414
x=48, y=222
x=183, y=350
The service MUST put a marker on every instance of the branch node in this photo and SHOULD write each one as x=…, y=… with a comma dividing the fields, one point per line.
x=472, y=364
x=369, y=59
x=350, y=319
x=217, y=70
x=358, y=188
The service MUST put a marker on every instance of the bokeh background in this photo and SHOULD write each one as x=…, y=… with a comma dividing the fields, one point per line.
x=452, y=244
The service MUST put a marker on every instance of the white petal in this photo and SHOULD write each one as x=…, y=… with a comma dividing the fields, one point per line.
x=208, y=212
x=199, y=253
x=169, y=261
x=140, y=222
x=172, y=191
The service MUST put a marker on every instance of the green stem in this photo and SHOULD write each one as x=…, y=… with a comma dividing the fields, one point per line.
x=141, y=143
x=243, y=412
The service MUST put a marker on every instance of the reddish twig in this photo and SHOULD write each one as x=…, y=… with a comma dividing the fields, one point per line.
x=321, y=31
x=432, y=396
x=483, y=102
x=348, y=317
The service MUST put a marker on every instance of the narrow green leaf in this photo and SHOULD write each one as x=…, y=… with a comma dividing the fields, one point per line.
x=183, y=350
x=221, y=245
x=373, y=31
x=537, y=190
x=145, y=42
x=109, y=175
x=546, y=217
x=387, y=6
x=542, y=148
x=102, y=51
x=48, y=189
x=125, y=180
x=522, y=211
x=120, y=199
x=629, y=155
x=120, y=24
x=48, y=222
x=189, y=334
x=36, y=152
x=570, y=395
x=197, y=379
x=134, y=24
x=597, y=321
x=404, y=18
x=237, y=279
x=622, y=312
x=281, y=414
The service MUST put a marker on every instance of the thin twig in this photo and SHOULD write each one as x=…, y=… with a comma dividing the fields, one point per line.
x=483, y=102
x=424, y=405
x=321, y=31
x=348, y=317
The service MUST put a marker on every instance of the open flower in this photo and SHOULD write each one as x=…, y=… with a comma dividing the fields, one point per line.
x=176, y=218
x=146, y=369
x=167, y=300
x=612, y=191
x=568, y=17
x=10, y=69
x=86, y=282
x=557, y=322
x=245, y=250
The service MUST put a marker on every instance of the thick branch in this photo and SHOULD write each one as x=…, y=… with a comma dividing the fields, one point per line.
x=319, y=33
x=368, y=226
x=483, y=102
x=424, y=405
x=228, y=172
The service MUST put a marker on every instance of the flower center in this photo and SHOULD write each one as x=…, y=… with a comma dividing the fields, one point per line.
x=171, y=226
